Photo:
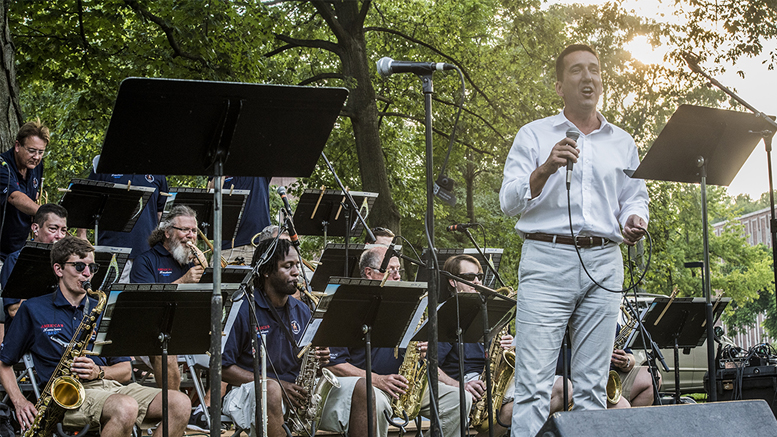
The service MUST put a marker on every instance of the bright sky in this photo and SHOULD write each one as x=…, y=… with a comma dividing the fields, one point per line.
x=759, y=89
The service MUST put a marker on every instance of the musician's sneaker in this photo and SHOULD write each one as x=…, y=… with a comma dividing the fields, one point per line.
x=197, y=421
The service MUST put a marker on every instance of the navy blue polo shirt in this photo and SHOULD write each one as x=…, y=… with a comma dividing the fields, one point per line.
x=16, y=227
x=157, y=266
x=256, y=214
x=137, y=239
x=383, y=361
x=44, y=326
x=5, y=273
x=448, y=358
x=280, y=352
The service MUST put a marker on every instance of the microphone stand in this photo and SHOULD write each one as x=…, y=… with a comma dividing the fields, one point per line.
x=653, y=355
x=488, y=262
x=352, y=205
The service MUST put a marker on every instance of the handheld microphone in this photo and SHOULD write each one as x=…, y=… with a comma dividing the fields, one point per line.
x=461, y=227
x=387, y=257
x=573, y=135
x=289, y=222
x=388, y=66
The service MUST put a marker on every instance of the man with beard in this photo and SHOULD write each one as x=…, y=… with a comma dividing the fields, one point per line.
x=282, y=319
x=169, y=261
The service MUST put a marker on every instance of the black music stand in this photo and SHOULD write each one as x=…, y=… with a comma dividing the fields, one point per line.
x=33, y=276
x=201, y=201
x=114, y=207
x=677, y=323
x=171, y=325
x=231, y=128
x=333, y=262
x=472, y=324
x=703, y=145
x=326, y=213
x=229, y=274
x=495, y=254
x=383, y=316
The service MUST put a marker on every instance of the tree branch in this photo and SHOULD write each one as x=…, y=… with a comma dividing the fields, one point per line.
x=81, y=25
x=312, y=43
x=322, y=76
x=437, y=131
x=464, y=108
x=168, y=30
x=363, y=12
x=328, y=14
x=435, y=50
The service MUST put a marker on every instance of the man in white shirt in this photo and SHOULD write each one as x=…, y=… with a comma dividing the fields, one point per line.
x=606, y=207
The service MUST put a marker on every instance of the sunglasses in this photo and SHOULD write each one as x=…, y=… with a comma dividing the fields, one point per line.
x=471, y=276
x=80, y=266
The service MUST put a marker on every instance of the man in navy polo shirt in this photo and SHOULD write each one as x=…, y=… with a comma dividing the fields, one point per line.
x=282, y=319
x=169, y=261
x=387, y=383
x=256, y=215
x=49, y=226
x=137, y=238
x=45, y=325
x=20, y=178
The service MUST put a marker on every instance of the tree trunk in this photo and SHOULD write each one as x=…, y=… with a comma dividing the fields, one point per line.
x=10, y=112
x=362, y=104
x=469, y=177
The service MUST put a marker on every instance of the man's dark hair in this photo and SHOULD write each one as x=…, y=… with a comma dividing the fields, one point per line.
x=32, y=129
x=45, y=210
x=570, y=49
x=453, y=265
x=64, y=248
x=271, y=266
x=371, y=257
x=379, y=232
x=158, y=234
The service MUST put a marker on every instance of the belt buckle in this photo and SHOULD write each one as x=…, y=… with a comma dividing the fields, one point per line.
x=578, y=240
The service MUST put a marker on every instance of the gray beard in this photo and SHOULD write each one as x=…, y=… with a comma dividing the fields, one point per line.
x=180, y=253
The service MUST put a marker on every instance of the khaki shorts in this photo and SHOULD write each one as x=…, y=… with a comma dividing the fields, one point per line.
x=97, y=392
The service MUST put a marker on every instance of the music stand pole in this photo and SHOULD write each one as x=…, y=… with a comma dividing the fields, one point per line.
x=216, y=305
x=708, y=302
x=480, y=251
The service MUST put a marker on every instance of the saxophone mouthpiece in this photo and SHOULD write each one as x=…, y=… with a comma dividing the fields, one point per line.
x=86, y=285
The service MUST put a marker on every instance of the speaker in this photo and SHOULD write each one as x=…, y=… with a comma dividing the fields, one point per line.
x=751, y=382
x=708, y=420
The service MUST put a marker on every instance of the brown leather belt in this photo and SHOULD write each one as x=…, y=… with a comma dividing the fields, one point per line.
x=583, y=241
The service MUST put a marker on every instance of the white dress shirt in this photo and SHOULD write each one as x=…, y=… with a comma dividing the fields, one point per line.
x=602, y=196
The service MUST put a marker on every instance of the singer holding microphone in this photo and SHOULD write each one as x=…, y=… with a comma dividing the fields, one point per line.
x=606, y=208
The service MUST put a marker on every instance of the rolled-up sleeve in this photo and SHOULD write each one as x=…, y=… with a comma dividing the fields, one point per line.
x=515, y=194
x=633, y=197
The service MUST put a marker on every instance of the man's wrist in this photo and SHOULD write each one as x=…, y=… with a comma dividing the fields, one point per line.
x=101, y=373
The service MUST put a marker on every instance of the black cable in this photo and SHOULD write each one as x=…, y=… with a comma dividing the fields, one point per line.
x=7, y=196
x=580, y=257
x=455, y=123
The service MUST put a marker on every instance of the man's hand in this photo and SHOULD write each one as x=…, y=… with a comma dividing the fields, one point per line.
x=25, y=412
x=621, y=359
x=192, y=276
x=564, y=150
x=394, y=385
x=296, y=394
x=322, y=355
x=422, y=346
x=506, y=341
x=85, y=368
x=634, y=229
x=476, y=387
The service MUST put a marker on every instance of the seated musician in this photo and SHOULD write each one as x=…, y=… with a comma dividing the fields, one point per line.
x=468, y=267
x=49, y=226
x=169, y=261
x=282, y=319
x=636, y=383
x=387, y=382
x=45, y=325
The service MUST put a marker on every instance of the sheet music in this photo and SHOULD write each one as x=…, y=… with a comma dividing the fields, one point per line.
x=419, y=312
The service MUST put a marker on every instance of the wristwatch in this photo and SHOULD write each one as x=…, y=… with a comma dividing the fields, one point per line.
x=101, y=375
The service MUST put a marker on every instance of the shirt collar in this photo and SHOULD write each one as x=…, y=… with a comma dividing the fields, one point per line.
x=263, y=302
x=61, y=302
x=561, y=119
x=160, y=248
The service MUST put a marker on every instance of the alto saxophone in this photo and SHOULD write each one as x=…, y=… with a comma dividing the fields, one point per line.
x=308, y=415
x=413, y=369
x=614, y=383
x=64, y=391
x=501, y=364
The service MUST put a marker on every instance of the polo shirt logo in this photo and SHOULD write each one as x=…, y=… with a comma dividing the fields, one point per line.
x=150, y=177
x=51, y=328
x=294, y=327
x=117, y=175
x=164, y=271
x=35, y=182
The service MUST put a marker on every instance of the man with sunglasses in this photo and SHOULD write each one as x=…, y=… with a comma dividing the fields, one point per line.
x=48, y=226
x=45, y=325
x=21, y=177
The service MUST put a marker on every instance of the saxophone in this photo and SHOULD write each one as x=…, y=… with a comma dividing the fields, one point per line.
x=413, y=368
x=308, y=415
x=501, y=364
x=614, y=384
x=64, y=391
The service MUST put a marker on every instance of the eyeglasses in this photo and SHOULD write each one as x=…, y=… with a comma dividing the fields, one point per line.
x=35, y=152
x=185, y=230
x=391, y=270
x=470, y=276
x=80, y=266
